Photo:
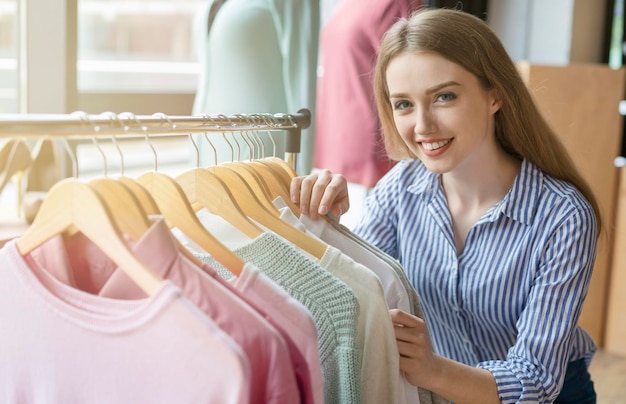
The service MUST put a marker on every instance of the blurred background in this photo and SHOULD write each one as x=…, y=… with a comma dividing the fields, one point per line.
x=147, y=56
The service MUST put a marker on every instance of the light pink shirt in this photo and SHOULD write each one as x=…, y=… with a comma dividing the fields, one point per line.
x=293, y=320
x=59, y=344
x=272, y=374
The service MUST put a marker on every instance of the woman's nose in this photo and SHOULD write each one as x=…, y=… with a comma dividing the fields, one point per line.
x=424, y=121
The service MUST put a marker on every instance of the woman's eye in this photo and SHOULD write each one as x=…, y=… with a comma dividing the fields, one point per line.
x=445, y=97
x=401, y=105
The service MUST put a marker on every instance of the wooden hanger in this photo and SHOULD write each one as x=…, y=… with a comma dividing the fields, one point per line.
x=280, y=166
x=124, y=207
x=253, y=181
x=71, y=204
x=206, y=190
x=143, y=196
x=276, y=185
x=254, y=209
x=150, y=207
x=177, y=212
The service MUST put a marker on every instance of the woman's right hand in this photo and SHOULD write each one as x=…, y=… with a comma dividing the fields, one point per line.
x=320, y=193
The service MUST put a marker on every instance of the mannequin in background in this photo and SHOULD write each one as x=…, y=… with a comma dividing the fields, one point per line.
x=347, y=128
x=258, y=56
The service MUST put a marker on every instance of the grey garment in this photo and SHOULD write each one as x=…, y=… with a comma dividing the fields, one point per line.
x=332, y=304
x=426, y=396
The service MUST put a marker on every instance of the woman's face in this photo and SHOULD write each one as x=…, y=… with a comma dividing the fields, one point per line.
x=442, y=113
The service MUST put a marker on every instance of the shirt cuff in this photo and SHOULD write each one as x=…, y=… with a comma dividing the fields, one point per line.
x=510, y=388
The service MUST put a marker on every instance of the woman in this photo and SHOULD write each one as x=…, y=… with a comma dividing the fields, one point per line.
x=487, y=213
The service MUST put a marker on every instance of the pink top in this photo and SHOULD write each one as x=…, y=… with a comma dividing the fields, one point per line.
x=59, y=344
x=293, y=320
x=347, y=138
x=272, y=374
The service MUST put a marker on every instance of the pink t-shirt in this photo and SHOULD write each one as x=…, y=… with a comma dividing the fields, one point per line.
x=272, y=374
x=60, y=344
x=292, y=319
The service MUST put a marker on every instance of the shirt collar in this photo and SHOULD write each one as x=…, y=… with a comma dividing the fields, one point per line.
x=519, y=203
x=156, y=249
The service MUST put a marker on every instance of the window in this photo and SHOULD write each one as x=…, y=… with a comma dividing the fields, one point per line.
x=137, y=45
x=8, y=56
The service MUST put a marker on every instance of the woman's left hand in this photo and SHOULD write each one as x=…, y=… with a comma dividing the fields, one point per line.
x=417, y=359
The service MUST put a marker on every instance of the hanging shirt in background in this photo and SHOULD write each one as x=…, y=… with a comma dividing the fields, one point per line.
x=259, y=57
x=347, y=139
x=59, y=344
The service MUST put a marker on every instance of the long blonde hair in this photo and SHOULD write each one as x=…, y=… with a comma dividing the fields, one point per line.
x=466, y=40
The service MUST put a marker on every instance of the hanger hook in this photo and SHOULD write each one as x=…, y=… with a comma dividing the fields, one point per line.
x=163, y=117
x=271, y=124
x=232, y=149
x=206, y=136
x=119, y=151
x=250, y=135
x=113, y=117
x=104, y=157
x=195, y=146
x=84, y=117
x=259, y=142
x=244, y=134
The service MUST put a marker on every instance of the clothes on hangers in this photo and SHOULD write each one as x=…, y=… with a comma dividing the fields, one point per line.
x=60, y=344
x=399, y=292
x=331, y=302
x=272, y=376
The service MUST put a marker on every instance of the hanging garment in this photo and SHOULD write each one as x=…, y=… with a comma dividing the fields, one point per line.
x=60, y=344
x=332, y=304
x=380, y=372
x=290, y=318
x=347, y=138
x=399, y=293
x=272, y=375
x=274, y=73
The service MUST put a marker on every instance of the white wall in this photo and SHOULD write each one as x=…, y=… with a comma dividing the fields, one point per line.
x=554, y=32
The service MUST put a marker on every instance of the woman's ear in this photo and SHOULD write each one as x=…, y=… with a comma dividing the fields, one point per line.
x=496, y=100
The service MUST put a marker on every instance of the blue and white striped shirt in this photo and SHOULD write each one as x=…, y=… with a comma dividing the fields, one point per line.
x=511, y=301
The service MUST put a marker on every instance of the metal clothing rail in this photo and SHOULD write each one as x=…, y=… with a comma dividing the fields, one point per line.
x=126, y=124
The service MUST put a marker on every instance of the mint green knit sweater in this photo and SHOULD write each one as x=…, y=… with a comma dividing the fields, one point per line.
x=332, y=305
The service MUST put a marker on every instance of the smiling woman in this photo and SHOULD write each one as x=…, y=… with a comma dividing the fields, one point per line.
x=492, y=222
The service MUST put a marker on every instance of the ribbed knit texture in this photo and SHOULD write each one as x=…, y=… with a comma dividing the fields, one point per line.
x=332, y=305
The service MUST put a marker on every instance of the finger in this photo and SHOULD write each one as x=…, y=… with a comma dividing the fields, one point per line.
x=312, y=191
x=305, y=189
x=294, y=189
x=407, y=350
x=403, y=318
x=336, y=199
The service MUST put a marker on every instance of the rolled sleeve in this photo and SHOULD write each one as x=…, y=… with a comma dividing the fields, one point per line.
x=516, y=382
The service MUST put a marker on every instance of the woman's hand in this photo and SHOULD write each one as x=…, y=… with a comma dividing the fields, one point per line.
x=417, y=359
x=452, y=380
x=320, y=193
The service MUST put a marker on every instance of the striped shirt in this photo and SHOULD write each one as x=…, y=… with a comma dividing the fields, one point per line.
x=510, y=302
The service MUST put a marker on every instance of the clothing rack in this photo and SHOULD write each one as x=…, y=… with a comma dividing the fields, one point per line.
x=81, y=124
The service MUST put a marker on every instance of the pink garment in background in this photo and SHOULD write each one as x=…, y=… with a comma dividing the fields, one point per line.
x=347, y=137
